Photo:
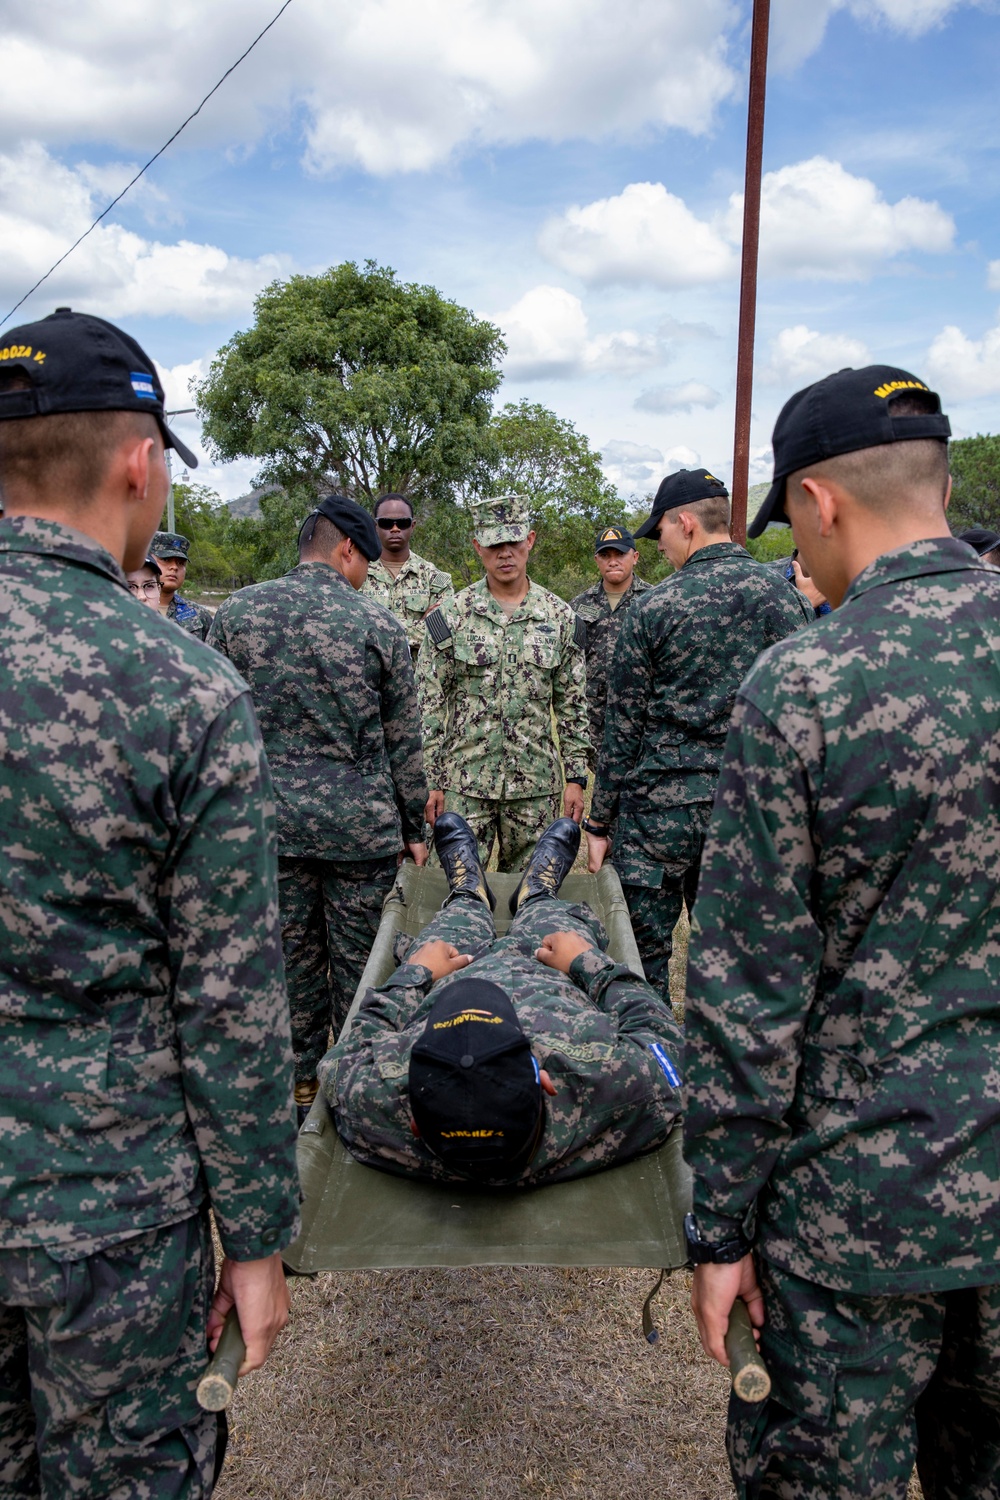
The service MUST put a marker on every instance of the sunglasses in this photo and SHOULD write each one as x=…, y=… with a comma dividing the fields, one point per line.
x=392, y=523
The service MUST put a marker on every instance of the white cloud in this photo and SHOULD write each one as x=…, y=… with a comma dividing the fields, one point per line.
x=547, y=337
x=818, y=220
x=388, y=85
x=670, y=398
x=800, y=355
x=993, y=276
x=45, y=205
x=644, y=235
x=962, y=368
x=631, y=466
x=798, y=26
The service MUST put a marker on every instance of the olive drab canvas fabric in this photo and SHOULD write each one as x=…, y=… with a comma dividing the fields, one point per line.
x=490, y=686
x=332, y=683
x=682, y=652
x=416, y=589
x=843, y=1012
x=602, y=624
x=146, y=1057
x=608, y=1041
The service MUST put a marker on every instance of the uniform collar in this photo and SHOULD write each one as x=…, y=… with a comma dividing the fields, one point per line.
x=323, y=572
x=51, y=539
x=531, y=605
x=714, y=552
x=411, y=565
x=937, y=554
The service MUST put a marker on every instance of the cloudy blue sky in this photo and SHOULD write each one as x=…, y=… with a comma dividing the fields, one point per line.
x=570, y=168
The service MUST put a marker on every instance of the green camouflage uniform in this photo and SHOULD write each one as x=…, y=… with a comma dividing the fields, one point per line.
x=416, y=589
x=145, y=1066
x=683, y=650
x=594, y=1030
x=602, y=624
x=843, y=1027
x=190, y=617
x=331, y=678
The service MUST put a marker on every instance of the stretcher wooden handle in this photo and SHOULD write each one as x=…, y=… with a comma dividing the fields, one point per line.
x=751, y=1382
x=218, y=1384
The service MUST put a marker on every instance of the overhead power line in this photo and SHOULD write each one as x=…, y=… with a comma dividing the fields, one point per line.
x=135, y=179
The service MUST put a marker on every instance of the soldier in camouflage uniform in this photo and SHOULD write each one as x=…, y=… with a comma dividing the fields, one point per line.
x=172, y=550
x=844, y=981
x=597, y=1045
x=146, y=1059
x=408, y=585
x=602, y=609
x=501, y=659
x=683, y=650
x=331, y=679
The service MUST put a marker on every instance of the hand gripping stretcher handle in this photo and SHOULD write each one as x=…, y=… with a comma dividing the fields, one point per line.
x=218, y=1384
x=751, y=1382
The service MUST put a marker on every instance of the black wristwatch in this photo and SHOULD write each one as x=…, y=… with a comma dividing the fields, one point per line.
x=577, y=781
x=599, y=830
x=703, y=1252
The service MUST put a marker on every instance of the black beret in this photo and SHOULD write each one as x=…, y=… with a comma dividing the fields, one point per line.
x=354, y=521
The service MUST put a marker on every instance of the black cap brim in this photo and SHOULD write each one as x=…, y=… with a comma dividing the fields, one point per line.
x=648, y=527
x=613, y=547
x=773, y=510
x=171, y=440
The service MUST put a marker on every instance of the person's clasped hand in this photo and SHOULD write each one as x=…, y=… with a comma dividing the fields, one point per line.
x=440, y=957
x=559, y=949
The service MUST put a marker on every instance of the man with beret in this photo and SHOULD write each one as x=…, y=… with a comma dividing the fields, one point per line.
x=843, y=1016
x=502, y=663
x=512, y=1061
x=683, y=650
x=172, y=550
x=331, y=679
x=602, y=608
x=409, y=586
x=985, y=543
x=145, y=1069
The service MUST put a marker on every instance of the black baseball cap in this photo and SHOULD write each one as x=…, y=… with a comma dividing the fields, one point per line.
x=683, y=488
x=76, y=362
x=980, y=539
x=475, y=1090
x=614, y=539
x=842, y=414
x=353, y=520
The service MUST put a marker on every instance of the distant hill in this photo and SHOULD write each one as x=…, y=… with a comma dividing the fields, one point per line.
x=247, y=507
x=756, y=495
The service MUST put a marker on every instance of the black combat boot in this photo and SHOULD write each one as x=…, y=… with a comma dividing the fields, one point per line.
x=458, y=852
x=550, y=862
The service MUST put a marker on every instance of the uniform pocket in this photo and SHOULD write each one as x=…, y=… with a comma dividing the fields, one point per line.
x=475, y=664
x=541, y=652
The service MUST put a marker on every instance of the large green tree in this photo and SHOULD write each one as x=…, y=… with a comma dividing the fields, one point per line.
x=975, y=469
x=356, y=381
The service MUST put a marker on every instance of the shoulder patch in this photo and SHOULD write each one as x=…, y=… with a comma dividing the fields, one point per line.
x=438, y=628
x=580, y=633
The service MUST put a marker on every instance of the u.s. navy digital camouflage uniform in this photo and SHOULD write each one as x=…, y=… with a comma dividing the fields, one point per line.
x=843, y=1030
x=608, y=1041
x=332, y=682
x=145, y=1066
x=683, y=650
x=490, y=687
x=602, y=624
x=415, y=590
x=190, y=617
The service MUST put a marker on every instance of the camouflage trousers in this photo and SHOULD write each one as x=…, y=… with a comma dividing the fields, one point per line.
x=99, y=1362
x=468, y=923
x=862, y=1387
x=330, y=911
x=654, y=909
x=516, y=825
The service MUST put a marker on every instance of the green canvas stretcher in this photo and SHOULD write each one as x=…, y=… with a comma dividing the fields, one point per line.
x=357, y=1218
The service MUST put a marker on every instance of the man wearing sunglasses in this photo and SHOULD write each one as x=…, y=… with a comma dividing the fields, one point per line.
x=406, y=584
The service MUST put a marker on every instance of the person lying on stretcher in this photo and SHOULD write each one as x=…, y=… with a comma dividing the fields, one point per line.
x=506, y=1061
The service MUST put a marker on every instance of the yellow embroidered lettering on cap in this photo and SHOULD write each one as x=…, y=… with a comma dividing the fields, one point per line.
x=900, y=385
x=483, y=1016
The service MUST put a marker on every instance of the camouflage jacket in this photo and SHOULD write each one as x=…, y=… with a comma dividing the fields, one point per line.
x=843, y=1013
x=332, y=682
x=602, y=625
x=146, y=1054
x=190, y=617
x=593, y=1030
x=489, y=689
x=417, y=588
x=683, y=650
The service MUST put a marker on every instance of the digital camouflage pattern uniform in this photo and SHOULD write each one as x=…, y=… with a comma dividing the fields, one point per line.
x=145, y=1066
x=593, y=1029
x=416, y=589
x=602, y=624
x=331, y=678
x=683, y=650
x=843, y=1027
x=190, y=617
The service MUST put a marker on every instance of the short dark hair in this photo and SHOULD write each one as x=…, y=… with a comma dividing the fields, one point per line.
x=713, y=512
x=394, y=495
x=319, y=534
x=64, y=451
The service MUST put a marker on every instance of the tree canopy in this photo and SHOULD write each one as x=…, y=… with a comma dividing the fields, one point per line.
x=355, y=381
x=975, y=470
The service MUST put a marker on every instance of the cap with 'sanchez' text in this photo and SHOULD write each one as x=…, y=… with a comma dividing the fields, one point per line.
x=75, y=362
x=842, y=414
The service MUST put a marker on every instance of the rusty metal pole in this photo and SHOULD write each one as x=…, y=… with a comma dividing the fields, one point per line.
x=748, y=282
